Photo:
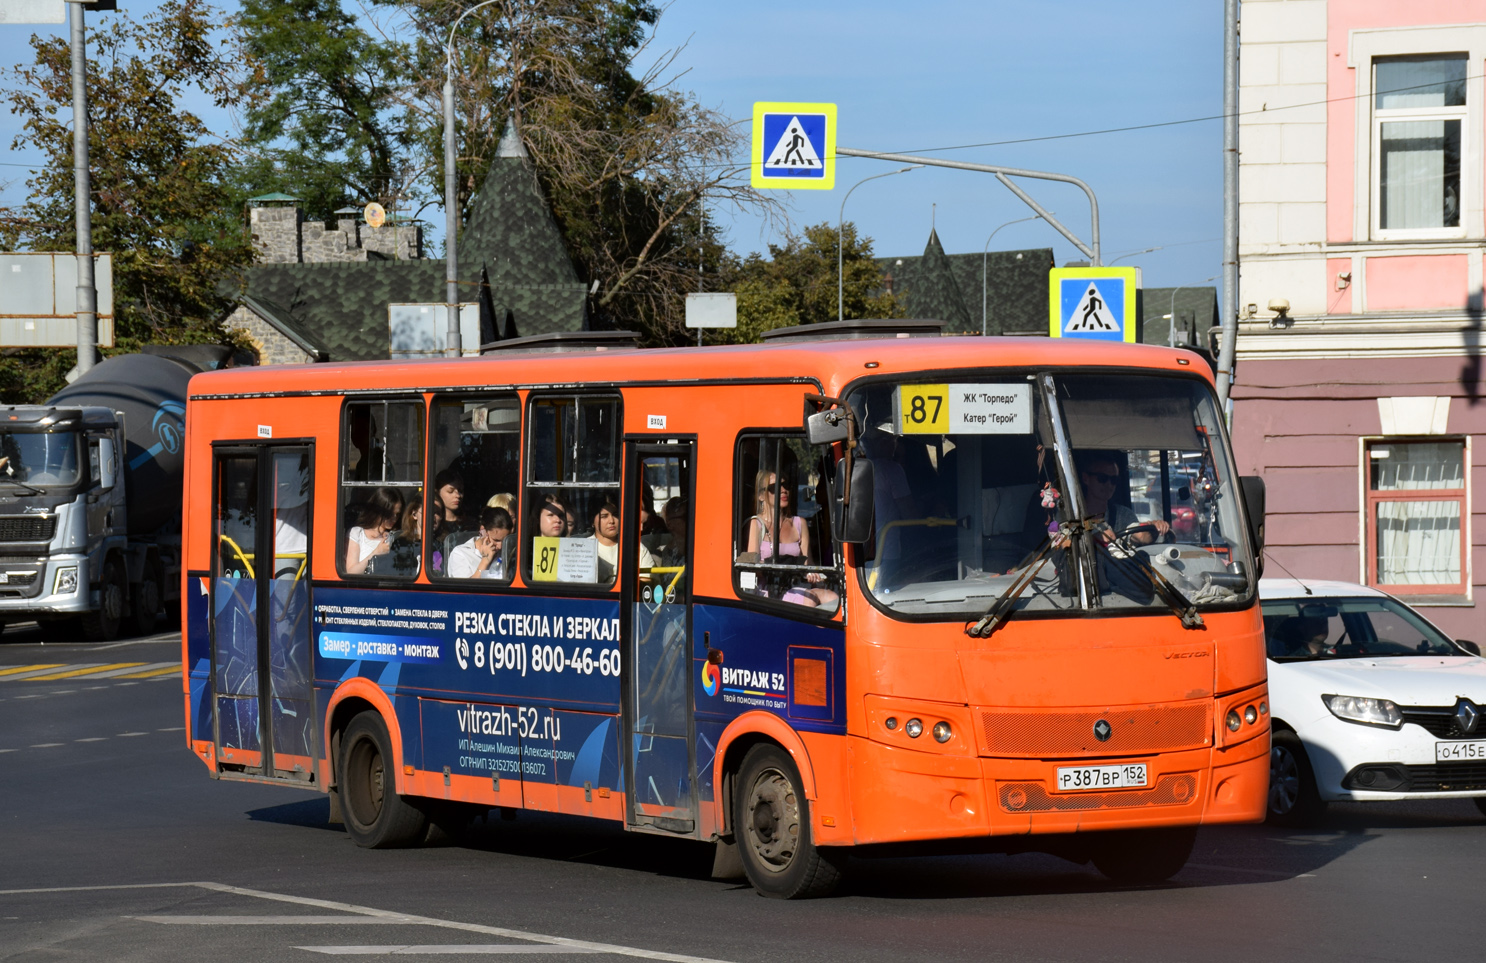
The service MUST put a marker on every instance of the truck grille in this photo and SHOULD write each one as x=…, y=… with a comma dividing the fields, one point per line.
x=27, y=528
x=1043, y=733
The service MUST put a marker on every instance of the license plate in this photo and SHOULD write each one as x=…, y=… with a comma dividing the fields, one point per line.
x=1075, y=778
x=1459, y=751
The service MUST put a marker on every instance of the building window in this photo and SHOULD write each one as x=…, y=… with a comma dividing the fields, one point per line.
x=1419, y=115
x=1415, y=513
x=382, y=489
x=421, y=330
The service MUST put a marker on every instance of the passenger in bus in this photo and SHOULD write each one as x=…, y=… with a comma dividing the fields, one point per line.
x=481, y=556
x=606, y=534
x=407, y=543
x=503, y=500
x=448, y=496
x=372, y=535
x=1099, y=472
x=673, y=554
x=552, y=518
x=784, y=537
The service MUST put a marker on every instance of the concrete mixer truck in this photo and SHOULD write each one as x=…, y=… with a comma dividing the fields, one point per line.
x=90, y=497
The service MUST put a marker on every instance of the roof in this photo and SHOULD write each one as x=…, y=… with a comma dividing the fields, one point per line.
x=831, y=363
x=273, y=196
x=1192, y=303
x=949, y=286
x=1292, y=588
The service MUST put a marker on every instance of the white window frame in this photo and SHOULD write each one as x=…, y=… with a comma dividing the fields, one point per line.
x=1364, y=48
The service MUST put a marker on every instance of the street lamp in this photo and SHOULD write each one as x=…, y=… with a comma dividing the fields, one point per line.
x=1158, y=247
x=1171, y=326
x=984, y=254
x=840, y=287
x=452, y=347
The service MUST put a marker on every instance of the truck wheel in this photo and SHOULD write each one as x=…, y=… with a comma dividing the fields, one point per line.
x=1135, y=857
x=376, y=817
x=771, y=823
x=1293, y=799
x=102, y=625
x=146, y=605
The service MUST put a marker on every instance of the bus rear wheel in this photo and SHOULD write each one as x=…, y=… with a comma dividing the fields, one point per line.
x=771, y=824
x=375, y=816
x=1134, y=857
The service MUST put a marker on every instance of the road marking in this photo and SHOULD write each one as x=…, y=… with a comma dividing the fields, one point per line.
x=173, y=729
x=173, y=669
x=379, y=914
x=47, y=745
x=265, y=920
x=12, y=670
x=125, y=735
x=1255, y=872
x=82, y=670
x=92, y=739
x=32, y=671
x=139, y=670
x=433, y=949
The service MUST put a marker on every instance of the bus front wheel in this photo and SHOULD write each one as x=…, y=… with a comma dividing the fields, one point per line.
x=375, y=816
x=771, y=824
x=1134, y=857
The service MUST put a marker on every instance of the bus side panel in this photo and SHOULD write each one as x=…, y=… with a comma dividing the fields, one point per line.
x=198, y=668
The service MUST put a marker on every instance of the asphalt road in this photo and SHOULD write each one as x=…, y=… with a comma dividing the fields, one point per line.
x=115, y=845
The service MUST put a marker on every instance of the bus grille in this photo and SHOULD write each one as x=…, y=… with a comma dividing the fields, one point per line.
x=1043, y=733
x=27, y=528
x=1021, y=797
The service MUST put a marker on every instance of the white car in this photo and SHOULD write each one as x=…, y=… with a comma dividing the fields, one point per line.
x=1369, y=701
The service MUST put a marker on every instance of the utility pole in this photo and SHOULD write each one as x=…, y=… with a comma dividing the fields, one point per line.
x=1229, y=308
x=82, y=187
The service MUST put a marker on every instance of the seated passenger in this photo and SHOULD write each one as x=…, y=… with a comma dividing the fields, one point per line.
x=480, y=557
x=1099, y=473
x=372, y=535
x=606, y=534
x=552, y=518
x=503, y=500
x=407, y=544
x=788, y=538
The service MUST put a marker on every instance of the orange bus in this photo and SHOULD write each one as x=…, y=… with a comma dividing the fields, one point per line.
x=853, y=590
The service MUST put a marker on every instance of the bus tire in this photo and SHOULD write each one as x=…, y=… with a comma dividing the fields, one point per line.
x=102, y=625
x=771, y=824
x=1293, y=798
x=376, y=817
x=1136, y=857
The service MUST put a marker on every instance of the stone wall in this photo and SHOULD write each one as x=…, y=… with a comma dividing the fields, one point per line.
x=275, y=234
x=270, y=343
x=281, y=236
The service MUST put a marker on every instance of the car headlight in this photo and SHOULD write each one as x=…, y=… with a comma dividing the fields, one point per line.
x=1364, y=711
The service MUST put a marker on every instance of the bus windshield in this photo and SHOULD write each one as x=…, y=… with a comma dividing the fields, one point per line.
x=974, y=498
x=37, y=458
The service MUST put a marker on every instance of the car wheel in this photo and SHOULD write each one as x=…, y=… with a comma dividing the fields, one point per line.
x=1136, y=857
x=375, y=816
x=102, y=625
x=771, y=823
x=1293, y=799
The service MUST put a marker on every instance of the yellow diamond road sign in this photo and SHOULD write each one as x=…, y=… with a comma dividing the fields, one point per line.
x=794, y=146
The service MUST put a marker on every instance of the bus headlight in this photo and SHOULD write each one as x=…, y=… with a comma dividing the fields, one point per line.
x=1364, y=710
x=66, y=582
x=1234, y=722
x=942, y=732
x=914, y=728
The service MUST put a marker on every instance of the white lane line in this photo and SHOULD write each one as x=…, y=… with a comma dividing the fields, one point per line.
x=173, y=729
x=1254, y=872
x=126, y=735
x=92, y=739
x=265, y=920
x=436, y=949
x=7, y=750
x=125, y=683
x=47, y=745
x=612, y=948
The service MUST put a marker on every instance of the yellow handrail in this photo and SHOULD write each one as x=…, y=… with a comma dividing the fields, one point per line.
x=244, y=557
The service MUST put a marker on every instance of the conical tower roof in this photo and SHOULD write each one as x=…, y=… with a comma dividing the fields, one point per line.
x=933, y=288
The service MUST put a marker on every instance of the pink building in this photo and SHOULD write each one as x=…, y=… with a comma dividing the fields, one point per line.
x=1360, y=383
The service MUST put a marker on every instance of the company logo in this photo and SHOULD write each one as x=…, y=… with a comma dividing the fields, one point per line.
x=709, y=678
x=1103, y=730
x=169, y=419
x=1466, y=716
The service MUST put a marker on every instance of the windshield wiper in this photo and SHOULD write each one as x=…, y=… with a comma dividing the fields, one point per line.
x=996, y=614
x=1180, y=605
x=15, y=481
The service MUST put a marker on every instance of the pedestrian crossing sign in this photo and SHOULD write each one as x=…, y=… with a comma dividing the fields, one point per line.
x=1093, y=303
x=794, y=146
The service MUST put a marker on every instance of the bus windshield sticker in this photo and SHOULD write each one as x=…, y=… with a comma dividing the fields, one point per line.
x=565, y=559
x=970, y=409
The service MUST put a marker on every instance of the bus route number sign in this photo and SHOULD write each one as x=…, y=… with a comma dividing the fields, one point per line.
x=972, y=409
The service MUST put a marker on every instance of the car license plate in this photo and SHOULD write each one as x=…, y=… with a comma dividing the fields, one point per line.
x=1128, y=776
x=1459, y=751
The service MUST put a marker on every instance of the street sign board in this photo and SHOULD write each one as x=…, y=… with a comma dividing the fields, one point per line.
x=33, y=11
x=38, y=299
x=794, y=146
x=1095, y=303
x=711, y=310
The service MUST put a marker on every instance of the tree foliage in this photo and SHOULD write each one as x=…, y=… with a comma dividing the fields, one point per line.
x=159, y=197
x=796, y=284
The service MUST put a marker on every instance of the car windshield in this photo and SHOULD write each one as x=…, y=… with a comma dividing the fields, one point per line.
x=38, y=458
x=971, y=498
x=1310, y=629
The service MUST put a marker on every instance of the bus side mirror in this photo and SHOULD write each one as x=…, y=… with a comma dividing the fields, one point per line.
x=828, y=427
x=107, y=464
x=852, y=521
x=1253, y=499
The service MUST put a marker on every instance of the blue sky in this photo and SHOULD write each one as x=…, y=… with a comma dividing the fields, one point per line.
x=940, y=73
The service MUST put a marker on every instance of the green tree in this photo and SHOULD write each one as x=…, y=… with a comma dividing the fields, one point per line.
x=329, y=129
x=796, y=284
x=159, y=196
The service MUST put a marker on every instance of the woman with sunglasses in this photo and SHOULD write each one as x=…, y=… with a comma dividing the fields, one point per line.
x=772, y=535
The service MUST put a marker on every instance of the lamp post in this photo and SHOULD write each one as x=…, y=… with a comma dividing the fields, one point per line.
x=452, y=346
x=840, y=287
x=1158, y=247
x=984, y=254
x=1171, y=327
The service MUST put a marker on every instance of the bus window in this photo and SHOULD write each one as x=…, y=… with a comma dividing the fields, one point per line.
x=783, y=549
x=477, y=446
x=572, y=489
x=381, y=489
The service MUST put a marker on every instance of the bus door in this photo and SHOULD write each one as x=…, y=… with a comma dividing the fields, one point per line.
x=660, y=775
x=263, y=705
